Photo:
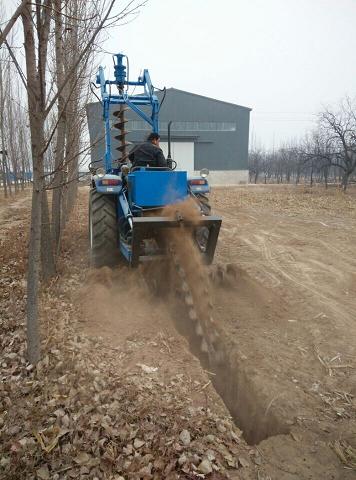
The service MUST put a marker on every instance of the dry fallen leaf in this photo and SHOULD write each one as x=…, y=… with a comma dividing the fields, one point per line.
x=43, y=473
x=146, y=368
x=243, y=462
x=48, y=438
x=82, y=458
x=138, y=443
x=184, y=437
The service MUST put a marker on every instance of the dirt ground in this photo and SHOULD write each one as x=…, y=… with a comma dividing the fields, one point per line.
x=11, y=210
x=287, y=325
x=292, y=320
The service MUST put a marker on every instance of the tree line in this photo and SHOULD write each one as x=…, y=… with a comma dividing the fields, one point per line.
x=43, y=118
x=15, y=155
x=325, y=155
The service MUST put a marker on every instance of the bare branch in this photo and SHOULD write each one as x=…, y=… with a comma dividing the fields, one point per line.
x=12, y=21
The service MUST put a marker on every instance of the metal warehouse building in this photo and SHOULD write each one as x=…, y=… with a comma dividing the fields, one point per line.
x=205, y=133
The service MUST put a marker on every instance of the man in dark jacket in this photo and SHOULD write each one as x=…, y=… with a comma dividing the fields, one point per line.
x=148, y=153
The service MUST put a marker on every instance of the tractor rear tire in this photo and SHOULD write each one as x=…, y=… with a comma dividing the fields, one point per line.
x=103, y=230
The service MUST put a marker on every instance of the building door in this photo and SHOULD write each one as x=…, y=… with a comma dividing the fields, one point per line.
x=182, y=153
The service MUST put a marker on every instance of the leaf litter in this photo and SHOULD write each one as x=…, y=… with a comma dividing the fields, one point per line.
x=76, y=415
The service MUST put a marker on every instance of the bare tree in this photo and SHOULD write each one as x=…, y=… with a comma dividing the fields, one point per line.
x=339, y=127
x=11, y=22
x=255, y=159
x=4, y=167
x=12, y=120
x=61, y=128
x=47, y=107
x=36, y=57
x=328, y=151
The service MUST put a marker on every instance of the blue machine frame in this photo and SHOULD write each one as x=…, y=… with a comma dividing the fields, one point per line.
x=144, y=189
x=123, y=98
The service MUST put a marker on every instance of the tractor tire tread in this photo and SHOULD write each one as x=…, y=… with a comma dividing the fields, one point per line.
x=104, y=243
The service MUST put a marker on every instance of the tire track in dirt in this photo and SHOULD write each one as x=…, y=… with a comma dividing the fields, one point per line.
x=301, y=278
x=311, y=318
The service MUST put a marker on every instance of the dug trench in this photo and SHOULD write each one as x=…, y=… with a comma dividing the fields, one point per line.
x=123, y=331
x=245, y=396
x=271, y=415
x=237, y=385
x=191, y=304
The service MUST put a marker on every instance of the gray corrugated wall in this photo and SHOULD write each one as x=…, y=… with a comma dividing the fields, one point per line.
x=216, y=150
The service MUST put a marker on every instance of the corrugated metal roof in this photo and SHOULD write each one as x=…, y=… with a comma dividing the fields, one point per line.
x=207, y=98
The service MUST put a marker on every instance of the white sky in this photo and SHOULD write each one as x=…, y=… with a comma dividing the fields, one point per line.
x=283, y=58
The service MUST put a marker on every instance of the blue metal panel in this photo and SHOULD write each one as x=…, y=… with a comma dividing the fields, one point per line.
x=125, y=250
x=157, y=188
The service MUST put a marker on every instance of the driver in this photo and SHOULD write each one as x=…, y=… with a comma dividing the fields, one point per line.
x=148, y=153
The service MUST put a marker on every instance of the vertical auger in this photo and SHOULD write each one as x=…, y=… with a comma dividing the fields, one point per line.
x=120, y=77
x=123, y=100
x=119, y=124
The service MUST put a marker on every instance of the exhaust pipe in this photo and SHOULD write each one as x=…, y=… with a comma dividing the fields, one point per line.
x=169, y=156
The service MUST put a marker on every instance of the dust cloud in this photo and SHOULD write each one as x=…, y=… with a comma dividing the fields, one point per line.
x=116, y=304
x=120, y=301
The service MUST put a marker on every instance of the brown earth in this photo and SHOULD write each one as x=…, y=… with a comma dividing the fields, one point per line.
x=117, y=393
x=287, y=327
x=292, y=320
x=11, y=210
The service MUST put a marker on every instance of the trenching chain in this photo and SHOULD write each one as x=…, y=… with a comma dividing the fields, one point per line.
x=201, y=315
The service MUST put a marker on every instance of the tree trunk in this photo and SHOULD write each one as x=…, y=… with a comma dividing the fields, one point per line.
x=12, y=148
x=43, y=17
x=2, y=134
x=36, y=120
x=311, y=174
x=47, y=260
x=33, y=331
x=23, y=167
x=297, y=178
x=60, y=141
x=73, y=126
x=345, y=180
x=8, y=173
x=326, y=176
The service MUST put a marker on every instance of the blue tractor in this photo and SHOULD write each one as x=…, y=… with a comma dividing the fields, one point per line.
x=128, y=205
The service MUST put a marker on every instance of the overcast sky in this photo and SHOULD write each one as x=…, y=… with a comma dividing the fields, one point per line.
x=285, y=59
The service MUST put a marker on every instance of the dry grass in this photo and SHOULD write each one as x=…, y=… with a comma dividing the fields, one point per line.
x=295, y=200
